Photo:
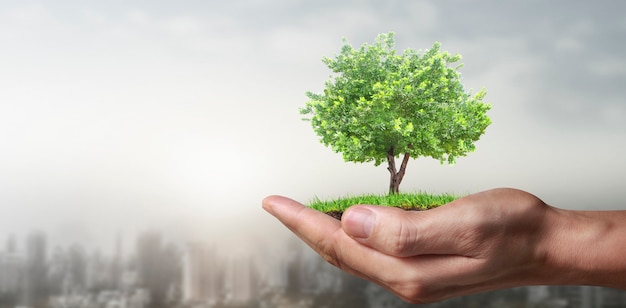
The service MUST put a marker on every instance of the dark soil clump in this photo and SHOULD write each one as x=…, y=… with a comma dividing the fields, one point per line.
x=337, y=214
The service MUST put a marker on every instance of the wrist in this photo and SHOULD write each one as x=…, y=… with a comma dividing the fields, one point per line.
x=584, y=248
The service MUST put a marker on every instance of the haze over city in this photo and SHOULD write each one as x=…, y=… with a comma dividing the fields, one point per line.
x=119, y=117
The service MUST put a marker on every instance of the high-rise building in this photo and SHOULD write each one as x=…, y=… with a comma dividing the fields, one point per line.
x=11, y=246
x=241, y=280
x=158, y=268
x=201, y=274
x=12, y=267
x=35, y=279
x=116, y=269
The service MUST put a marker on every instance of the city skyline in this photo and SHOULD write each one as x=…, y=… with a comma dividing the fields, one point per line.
x=33, y=272
x=159, y=273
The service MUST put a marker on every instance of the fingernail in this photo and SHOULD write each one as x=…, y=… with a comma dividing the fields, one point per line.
x=358, y=222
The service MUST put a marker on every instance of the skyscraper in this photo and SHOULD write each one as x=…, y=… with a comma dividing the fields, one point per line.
x=12, y=266
x=241, y=280
x=201, y=274
x=35, y=280
x=157, y=266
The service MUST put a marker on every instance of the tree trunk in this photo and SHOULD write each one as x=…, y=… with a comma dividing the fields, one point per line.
x=396, y=175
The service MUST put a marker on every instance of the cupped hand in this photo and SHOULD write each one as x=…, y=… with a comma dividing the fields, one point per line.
x=490, y=240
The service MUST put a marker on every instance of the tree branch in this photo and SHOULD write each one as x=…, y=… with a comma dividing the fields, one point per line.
x=391, y=160
x=402, y=171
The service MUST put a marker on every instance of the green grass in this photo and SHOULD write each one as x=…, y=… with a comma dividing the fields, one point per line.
x=402, y=200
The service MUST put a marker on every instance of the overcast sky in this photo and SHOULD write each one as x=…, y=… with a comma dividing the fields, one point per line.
x=121, y=116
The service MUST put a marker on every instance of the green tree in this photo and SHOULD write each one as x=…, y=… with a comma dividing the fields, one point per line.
x=379, y=105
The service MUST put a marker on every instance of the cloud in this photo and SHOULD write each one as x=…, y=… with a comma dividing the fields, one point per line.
x=166, y=110
x=578, y=64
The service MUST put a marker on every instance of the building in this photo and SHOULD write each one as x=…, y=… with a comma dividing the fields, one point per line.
x=11, y=272
x=201, y=274
x=36, y=272
x=241, y=281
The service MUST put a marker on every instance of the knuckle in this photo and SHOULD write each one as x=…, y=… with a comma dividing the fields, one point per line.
x=327, y=251
x=401, y=240
x=331, y=258
x=416, y=294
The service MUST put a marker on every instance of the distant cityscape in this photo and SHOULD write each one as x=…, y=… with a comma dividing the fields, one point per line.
x=160, y=274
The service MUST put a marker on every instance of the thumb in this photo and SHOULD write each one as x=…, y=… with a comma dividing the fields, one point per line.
x=401, y=233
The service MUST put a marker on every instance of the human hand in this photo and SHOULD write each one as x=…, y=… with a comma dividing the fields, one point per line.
x=490, y=240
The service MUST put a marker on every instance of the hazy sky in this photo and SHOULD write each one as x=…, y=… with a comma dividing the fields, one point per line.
x=119, y=116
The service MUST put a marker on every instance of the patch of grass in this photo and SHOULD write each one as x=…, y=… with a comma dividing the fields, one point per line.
x=420, y=201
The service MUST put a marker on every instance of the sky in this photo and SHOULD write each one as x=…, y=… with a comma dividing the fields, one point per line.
x=123, y=116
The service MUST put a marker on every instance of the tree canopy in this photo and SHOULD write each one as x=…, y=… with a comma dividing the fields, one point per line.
x=379, y=105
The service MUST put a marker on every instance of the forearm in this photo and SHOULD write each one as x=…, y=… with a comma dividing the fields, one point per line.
x=586, y=248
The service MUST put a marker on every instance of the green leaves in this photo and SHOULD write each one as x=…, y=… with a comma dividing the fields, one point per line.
x=413, y=102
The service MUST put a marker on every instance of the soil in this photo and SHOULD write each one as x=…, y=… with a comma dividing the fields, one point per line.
x=337, y=214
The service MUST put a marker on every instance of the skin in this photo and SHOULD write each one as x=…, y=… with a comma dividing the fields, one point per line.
x=495, y=239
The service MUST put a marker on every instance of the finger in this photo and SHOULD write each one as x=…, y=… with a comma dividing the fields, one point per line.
x=315, y=228
x=297, y=218
x=444, y=230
